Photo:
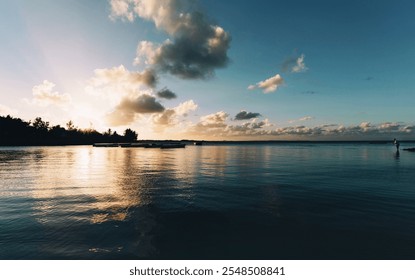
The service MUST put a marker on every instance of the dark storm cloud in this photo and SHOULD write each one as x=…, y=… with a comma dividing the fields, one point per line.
x=196, y=48
x=143, y=104
x=244, y=115
x=166, y=94
x=126, y=112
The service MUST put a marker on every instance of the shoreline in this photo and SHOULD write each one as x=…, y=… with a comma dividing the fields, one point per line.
x=219, y=142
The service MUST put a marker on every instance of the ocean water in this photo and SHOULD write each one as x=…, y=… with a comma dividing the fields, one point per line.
x=245, y=201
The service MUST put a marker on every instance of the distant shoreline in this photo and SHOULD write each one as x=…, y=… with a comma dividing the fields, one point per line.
x=221, y=142
x=17, y=132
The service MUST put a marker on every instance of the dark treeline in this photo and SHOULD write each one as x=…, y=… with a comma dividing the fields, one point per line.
x=17, y=132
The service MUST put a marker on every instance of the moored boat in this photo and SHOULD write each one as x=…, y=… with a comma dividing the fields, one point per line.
x=134, y=145
x=138, y=145
x=125, y=145
x=172, y=145
x=106, y=145
x=152, y=145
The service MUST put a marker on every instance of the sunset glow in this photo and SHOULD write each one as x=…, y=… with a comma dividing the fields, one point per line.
x=213, y=70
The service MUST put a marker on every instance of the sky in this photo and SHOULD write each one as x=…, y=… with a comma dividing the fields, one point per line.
x=211, y=69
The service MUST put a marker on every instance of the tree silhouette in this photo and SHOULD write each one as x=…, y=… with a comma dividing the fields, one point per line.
x=14, y=131
x=41, y=125
x=70, y=125
x=130, y=135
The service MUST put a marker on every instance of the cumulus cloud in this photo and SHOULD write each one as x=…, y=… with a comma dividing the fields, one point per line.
x=117, y=83
x=216, y=126
x=121, y=8
x=295, y=64
x=210, y=125
x=167, y=118
x=170, y=117
x=185, y=108
x=252, y=128
x=244, y=115
x=269, y=85
x=196, y=48
x=43, y=95
x=364, y=130
x=166, y=94
x=297, y=130
x=214, y=120
x=126, y=112
x=121, y=76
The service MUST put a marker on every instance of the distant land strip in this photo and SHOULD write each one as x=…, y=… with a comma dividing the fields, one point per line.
x=17, y=132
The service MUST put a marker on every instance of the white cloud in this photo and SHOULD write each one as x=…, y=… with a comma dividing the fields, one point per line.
x=294, y=64
x=363, y=131
x=299, y=65
x=165, y=14
x=214, y=120
x=122, y=8
x=121, y=76
x=186, y=107
x=303, y=119
x=215, y=126
x=43, y=95
x=251, y=128
x=117, y=83
x=170, y=117
x=306, y=118
x=269, y=85
x=147, y=53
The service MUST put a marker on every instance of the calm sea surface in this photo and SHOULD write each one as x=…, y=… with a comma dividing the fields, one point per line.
x=245, y=201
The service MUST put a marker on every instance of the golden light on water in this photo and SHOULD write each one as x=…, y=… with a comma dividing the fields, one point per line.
x=109, y=181
x=99, y=185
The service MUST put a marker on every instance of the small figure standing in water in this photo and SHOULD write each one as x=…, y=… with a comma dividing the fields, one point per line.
x=396, y=143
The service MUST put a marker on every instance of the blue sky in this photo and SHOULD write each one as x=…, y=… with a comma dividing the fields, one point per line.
x=296, y=69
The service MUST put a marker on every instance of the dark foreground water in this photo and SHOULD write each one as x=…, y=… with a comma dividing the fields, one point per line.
x=274, y=201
